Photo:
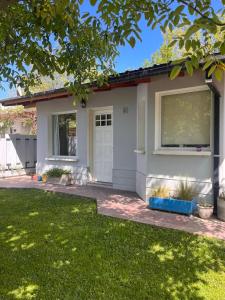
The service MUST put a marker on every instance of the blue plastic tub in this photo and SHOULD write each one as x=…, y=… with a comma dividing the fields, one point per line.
x=173, y=205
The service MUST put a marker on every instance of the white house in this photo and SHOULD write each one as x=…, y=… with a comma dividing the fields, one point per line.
x=139, y=132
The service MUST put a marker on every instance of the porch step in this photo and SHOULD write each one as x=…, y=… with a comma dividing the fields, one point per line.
x=100, y=184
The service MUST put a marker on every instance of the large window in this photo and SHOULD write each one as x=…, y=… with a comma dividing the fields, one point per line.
x=184, y=119
x=64, y=134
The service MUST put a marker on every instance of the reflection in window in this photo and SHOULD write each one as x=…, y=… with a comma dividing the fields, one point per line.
x=185, y=119
x=64, y=134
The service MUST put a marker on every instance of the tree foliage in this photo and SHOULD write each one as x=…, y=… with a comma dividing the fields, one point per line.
x=8, y=116
x=46, y=83
x=44, y=37
x=167, y=53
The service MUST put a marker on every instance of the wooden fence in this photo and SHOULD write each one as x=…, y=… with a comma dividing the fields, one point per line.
x=18, y=154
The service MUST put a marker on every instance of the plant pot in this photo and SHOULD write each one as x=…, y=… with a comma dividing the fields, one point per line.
x=205, y=212
x=63, y=180
x=173, y=205
x=221, y=209
x=44, y=178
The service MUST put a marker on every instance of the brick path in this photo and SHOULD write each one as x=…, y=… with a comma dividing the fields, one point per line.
x=127, y=205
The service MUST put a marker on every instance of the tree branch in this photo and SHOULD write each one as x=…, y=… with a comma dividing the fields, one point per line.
x=201, y=14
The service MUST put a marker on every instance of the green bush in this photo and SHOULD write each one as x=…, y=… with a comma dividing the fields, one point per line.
x=185, y=191
x=162, y=192
x=57, y=172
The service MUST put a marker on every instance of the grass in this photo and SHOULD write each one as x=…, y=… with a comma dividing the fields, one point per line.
x=57, y=247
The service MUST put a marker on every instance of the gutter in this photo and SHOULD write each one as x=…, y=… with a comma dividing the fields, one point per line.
x=121, y=80
x=216, y=140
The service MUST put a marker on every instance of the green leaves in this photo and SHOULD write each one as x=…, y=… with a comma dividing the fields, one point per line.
x=211, y=70
x=132, y=41
x=93, y=2
x=218, y=74
x=179, y=9
x=207, y=64
x=48, y=36
x=189, y=67
x=175, y=72
x=222, y=48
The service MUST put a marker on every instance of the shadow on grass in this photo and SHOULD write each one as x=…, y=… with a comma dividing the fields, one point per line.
x=57, y=247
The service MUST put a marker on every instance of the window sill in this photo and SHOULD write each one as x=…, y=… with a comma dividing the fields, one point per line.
x=62, y=158
x=182, y=152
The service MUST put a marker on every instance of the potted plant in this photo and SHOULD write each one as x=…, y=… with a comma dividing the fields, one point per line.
x=183, y=202
x=59, y=176
x=221, y=206
x=205, y=210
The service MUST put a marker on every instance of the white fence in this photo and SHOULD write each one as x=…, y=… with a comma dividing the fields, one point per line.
x=18, y=154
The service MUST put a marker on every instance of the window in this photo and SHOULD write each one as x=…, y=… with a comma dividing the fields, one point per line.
x=184, y=119
x=64, y=134
x=103, y=120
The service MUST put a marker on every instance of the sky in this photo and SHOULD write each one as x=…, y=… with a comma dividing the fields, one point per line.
x=129, y=58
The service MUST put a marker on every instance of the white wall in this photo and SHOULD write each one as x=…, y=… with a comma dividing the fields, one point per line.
x=169, y=170
x=131, y=171
x=17, y=154
x=123, y=102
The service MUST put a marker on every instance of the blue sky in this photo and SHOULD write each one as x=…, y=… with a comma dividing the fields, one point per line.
x=129, y=58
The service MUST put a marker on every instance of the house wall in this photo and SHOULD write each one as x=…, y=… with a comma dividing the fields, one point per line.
x=169, y=170
x=221, y=88
x=141, y=171
x=142, y=156
x=123, y=102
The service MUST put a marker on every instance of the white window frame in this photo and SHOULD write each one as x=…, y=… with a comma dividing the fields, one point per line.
x=178, y=150
x=62, y=157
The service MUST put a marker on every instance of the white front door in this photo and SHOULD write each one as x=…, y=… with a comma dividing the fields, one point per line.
x=103, y=145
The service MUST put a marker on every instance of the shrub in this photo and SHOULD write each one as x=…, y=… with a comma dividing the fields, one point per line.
x=185, y=191
x=222, y=194
x=57, y=172
x=162, y=192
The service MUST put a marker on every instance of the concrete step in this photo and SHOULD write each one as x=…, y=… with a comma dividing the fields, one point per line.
x=100, y=184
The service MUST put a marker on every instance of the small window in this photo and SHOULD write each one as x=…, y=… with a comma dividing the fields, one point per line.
x=64, y=134
x=185, y=120
x=103, y=120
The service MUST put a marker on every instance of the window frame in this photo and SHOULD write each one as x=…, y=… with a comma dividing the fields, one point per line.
x=158, y=118
x=64, y=157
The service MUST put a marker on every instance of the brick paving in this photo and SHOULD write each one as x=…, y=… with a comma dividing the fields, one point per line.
x=126, y=205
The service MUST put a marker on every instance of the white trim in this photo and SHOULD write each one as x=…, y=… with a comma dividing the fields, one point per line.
x=143, y=90
x=177, y=151
x=67, y=112
x=88, y=111
x=182, y=152
x=99, y=110
x=184, y=90
x=62, y=158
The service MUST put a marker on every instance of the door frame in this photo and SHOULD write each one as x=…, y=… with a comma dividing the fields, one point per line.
x=90, y=137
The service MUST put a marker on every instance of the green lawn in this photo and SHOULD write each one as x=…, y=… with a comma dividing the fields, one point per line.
x=57, y=247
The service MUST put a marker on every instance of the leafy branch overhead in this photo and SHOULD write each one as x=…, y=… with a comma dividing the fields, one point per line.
x=46, y=37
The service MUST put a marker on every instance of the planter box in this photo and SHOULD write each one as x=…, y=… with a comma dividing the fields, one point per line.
x=221, y=209
x=63, y=180
x=173, y=205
